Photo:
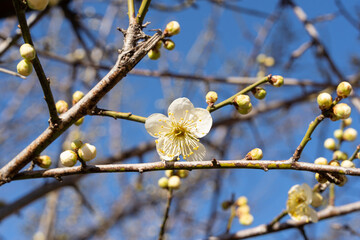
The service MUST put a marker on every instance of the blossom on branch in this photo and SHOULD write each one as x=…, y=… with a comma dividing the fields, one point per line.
x=179, y=133
x=299, y=199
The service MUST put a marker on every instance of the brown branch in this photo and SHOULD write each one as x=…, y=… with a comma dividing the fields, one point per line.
x=264, y=229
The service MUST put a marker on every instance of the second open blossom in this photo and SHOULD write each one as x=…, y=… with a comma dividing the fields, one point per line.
x=179, y=133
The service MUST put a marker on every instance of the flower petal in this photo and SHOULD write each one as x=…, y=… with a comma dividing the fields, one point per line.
x=203, y=120
x=157, y=124
x=178, y=107
x=198, y=154
x=308, y=193
x=160, y=145
x=313, y=215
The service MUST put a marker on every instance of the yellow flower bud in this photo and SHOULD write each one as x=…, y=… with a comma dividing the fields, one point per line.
x=277, y=81
x=37, y=4
x=259, y=93
x=261, y=58
x=344, y=89
x=27, y=51
x=43, y=161
x=24, y=67
x=317, y=199
x=246, y=219
x=330, y=144
x=338, y=134
x=242, y=201
x=339, y=155
x=154, y=54
x=172, y=28
x=76, y=144
x=68, y=158
x=347, y=122
x=324, y=101
x=243, y=104
x=61, y=106
x=169, y=45
x=335, y=163
x=320, y=178
x=342, y=110
x=87, y=152
x=163, y=182
x=350, y=134
x=321, y=161
x=79, y=121
x=182, y=173
x=347, y=164
x=169, y=173
x=174, y=182
x=211, y=97
x=244, y=209
x=269, y=61
x=77, y=96
x=255, y=154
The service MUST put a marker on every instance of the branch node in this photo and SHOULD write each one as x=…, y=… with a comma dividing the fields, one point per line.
x=215, y=163
x=58, y=178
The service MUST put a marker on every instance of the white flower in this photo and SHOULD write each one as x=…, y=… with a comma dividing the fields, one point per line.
x=299, y=199
x=179, y=133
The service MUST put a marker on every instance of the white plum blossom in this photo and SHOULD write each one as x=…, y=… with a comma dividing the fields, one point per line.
x=179, y=133
x=298, y=203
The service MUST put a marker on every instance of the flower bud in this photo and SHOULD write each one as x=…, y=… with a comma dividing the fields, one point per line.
x=172, y=28
x=87, y=152
x=169, y=173
x=321, y=161
x=154, y=54
x=277, y=80
x=350, y=134
x=158, y=45
x=243, y=104
x=43, y=161
x=334, y=163
x=169, y=45
x=269, y=61
x=174, y=182
x=348, y=164
x=320, y=178
x=244, y=209
x=182, y=173
x=37, y=4
x=358, y=155
x=76, y=144
x=163, y=182
x=342, y=110
x=77, y=96
x=338, y=134
x=261, y=58
x=317, y=199
x=27, y=51
x=68, y=158
x=211, y=97
x=242, y=201
x=347, y=122
x=344, y=89
x=339, y=155
x=330, y=144
x=343, y=180
x=246, y=219
x=255, y=154
x=226, y=204
x=79, y=121
x=333, y=117
x=259, y=93
x=24, y=67
x=61, y=106
x=324, y=101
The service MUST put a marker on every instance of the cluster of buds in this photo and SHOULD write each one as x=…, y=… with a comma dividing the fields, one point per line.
x=172, y=28
x=28, y=53
x=85, y=152
x=211, y=97
x=43, y=161
x=62, y=106
x=242, y=103
x=172, y=179
x=37, y=4
x=264, y=63
x=241, y=210
x=255, y=154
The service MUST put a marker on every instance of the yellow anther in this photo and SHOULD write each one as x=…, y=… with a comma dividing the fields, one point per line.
x=178, y=158
x=156, y=141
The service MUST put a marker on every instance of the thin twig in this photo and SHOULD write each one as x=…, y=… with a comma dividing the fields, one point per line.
x=116, y=115
x=166, y=214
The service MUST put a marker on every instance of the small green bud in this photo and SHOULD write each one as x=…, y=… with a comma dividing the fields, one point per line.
x=339, y=155
x=169, y=173
x=154, y=54
x=321, y=161
x=43, y=161
x=347, y=164
x=344, y=89
x=269, y=61
x=61, y=106
x=87, y=152
x=243, y=104
x=226, y=205
x=261, y=58
x=350, y=134
x=259, y=93
x=338, y=134
x=317, y=200
x=163, y=182
x=79, y=121
x=342, y=110
x=347, y=122
x=324, y=101
x=172, y=28
x=174, y=182
x=211, y=97
x=76, y=144
x=255, y=154
x=320, y=178
x=246, y=219
x=277, y=80
x=343, y=180
x=27, y=51
x=169, y=45
x=77, y=96
x=24, y=67
x=68, y=158
x=37, y=4
x=330, y=144
x=182, y=173
x=158, y=45
x=241, y=201
x=334, y=163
